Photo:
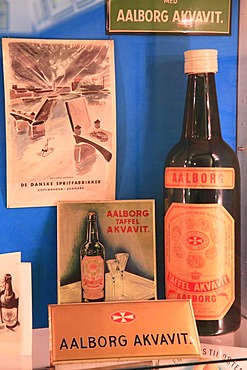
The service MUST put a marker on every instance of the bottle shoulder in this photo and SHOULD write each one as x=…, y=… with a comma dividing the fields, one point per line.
x=8, y=301
x=202, y=153
x=94, y=248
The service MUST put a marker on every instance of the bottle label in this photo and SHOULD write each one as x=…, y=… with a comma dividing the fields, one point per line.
x=9, y=316
x=92, y=271
x=200, y=177
x=199, y=250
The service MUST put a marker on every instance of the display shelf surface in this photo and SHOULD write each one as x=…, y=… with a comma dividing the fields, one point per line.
x=230, y=347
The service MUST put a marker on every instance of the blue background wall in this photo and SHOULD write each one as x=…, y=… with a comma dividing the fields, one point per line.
x=150, y=93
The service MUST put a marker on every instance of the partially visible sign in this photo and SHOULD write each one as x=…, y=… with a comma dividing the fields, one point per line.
x=127, y=330
x=169, y=16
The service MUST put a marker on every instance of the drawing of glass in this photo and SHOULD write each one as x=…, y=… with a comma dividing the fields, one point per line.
x=122, y=261
x=112, y=267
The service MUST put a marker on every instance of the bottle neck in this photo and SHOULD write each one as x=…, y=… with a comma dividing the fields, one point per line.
x=92, y=231
x=201, y=116
x=8, y=290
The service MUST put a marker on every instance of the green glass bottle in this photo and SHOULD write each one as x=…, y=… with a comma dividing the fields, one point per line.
x=202, y=207
x=92, y=261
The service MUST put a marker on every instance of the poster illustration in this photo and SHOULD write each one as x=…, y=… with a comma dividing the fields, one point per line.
x=60, y=120
x=125, y=230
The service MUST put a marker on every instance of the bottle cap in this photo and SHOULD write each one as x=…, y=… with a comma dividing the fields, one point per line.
x=8, y=277
x=201, y=61
x=92, y=216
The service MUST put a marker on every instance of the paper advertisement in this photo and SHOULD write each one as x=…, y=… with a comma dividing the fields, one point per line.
x=60, y=120
x=126, y=230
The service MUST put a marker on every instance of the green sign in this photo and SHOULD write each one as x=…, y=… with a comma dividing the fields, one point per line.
x=169, y=16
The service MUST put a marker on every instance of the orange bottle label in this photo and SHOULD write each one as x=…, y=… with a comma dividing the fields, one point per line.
x=92, y=271
x=200, y=177
x=199, y=258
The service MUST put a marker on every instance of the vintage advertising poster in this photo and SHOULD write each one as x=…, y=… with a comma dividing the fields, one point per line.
x=60, y=120
x=126, y=232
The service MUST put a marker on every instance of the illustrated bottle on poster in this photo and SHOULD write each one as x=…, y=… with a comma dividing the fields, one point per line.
x=9, y=304
x=92, y=260
x=202, y=207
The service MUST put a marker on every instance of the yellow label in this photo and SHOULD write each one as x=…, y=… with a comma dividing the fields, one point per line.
x=200, y=178
x=199, y=250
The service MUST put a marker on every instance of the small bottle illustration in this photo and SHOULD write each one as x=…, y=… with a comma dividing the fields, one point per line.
x=92, y=261
x=9, y=304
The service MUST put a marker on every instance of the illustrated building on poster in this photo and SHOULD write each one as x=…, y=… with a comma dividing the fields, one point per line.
x=124, y=227
x=60, y=120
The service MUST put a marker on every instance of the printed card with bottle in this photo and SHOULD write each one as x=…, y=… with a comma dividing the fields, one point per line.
x=15, y=306
x=106, y=251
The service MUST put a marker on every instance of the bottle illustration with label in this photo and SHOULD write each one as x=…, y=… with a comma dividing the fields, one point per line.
x=92, y=261
x=9, y=304
x=202, y=207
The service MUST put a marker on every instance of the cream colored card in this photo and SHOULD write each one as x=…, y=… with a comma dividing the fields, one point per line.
x=16, y=339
